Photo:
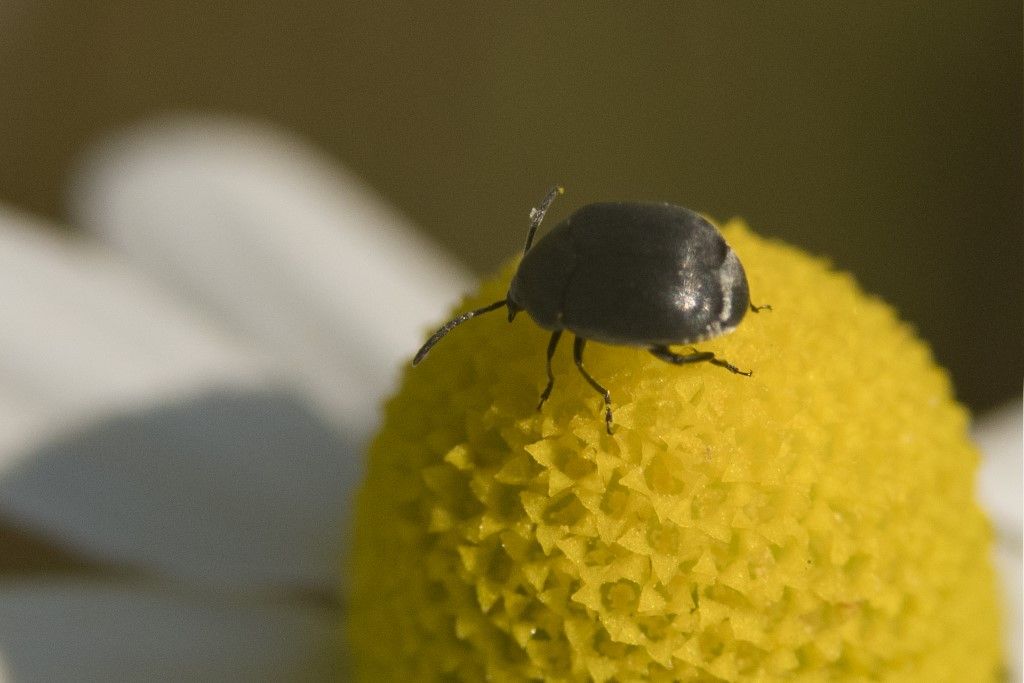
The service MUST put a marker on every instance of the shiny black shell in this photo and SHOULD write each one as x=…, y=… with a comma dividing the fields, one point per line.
x=635, y=274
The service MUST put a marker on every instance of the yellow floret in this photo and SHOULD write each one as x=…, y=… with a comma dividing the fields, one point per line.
x=814, y=522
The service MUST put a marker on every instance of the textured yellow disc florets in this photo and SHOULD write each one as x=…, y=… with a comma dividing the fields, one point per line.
x=815, y=521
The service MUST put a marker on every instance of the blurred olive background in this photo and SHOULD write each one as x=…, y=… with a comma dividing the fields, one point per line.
x=884, y=135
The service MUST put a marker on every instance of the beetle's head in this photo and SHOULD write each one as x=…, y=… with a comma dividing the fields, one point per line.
x=513, y=308
x=512, y=299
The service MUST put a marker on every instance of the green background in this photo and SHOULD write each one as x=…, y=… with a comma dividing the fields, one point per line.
x=884, y=135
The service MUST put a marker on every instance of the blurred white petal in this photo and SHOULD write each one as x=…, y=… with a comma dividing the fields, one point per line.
x=83, y=335
x=225, y=489
x=272, y=238
x=77, y=630
x=134, y=434
x=999, y=435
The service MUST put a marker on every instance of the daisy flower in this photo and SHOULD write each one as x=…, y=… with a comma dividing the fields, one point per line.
x=187, y=392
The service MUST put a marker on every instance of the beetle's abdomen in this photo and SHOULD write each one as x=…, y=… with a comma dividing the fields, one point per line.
x=657, y=274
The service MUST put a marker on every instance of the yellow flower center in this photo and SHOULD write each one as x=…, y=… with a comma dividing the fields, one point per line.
x=815, y=521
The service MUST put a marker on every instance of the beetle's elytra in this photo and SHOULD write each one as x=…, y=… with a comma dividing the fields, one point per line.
x=625, y=273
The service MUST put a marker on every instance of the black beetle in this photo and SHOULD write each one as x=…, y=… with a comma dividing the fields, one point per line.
x=625, y=273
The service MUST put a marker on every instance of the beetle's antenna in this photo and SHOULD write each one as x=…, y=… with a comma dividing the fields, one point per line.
x=537, y=214
x=452, y=324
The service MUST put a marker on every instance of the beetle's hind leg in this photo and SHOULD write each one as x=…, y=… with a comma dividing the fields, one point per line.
x=577, y=355
x=758, y=309
x=552, y=344
x=668, y=356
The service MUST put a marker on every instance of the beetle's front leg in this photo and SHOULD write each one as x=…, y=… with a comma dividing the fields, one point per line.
x=552, y=344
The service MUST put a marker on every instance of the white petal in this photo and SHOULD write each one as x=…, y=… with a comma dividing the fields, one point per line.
x=84, y=335
x=298, y=255
x=134, y=434
x=64, y=630
x=227, y=489
x=999, y=435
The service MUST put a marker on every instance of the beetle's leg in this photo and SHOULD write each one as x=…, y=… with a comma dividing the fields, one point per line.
x=668, y=356
x=758, y=309
x=555, y=336
x=577, y=355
